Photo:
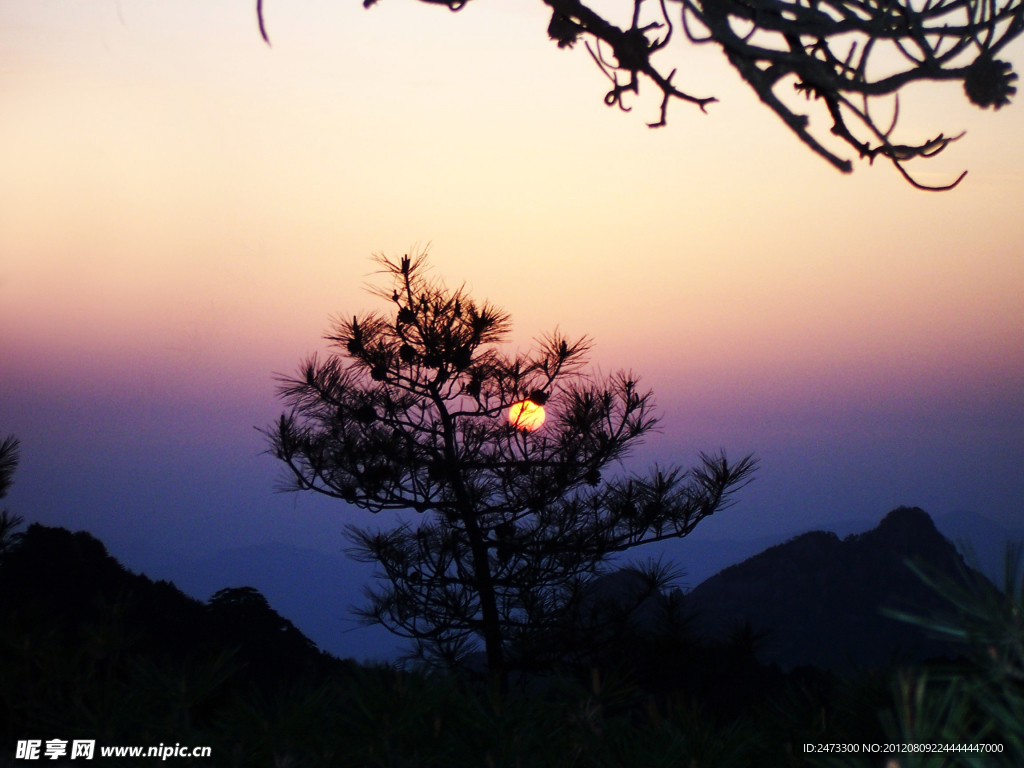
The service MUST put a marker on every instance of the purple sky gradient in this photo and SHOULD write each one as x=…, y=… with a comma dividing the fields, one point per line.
x=183, y=209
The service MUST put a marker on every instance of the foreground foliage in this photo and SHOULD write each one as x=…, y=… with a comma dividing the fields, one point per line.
x=660, y=698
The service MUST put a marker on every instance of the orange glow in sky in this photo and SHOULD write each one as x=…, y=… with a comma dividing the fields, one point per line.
x=176, y=189
x=183, y=209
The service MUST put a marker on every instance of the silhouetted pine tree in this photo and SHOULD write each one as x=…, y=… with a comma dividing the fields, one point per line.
x=413, y=412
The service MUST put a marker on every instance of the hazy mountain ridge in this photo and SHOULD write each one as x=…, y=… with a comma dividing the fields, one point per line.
x=702, y=559
x=314, y=588
x=65, y=587
x=820, y=598
x=813, y=592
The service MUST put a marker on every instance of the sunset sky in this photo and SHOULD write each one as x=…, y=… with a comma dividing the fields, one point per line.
x=183, y=208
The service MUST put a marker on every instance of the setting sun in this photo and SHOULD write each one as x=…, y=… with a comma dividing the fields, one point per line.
x=527, y=415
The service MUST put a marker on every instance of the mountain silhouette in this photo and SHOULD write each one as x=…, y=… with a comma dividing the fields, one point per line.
x=315, y=588
x=820, y=599
x=66, y=586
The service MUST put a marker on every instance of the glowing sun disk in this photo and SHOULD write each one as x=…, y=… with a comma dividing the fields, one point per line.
x=527, y=415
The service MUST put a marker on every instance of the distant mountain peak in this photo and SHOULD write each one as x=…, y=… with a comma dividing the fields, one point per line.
x=911, y=532
x=821, y=598
x=907, y=519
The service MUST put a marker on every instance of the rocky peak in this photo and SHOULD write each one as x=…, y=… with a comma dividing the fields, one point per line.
x=821, y=598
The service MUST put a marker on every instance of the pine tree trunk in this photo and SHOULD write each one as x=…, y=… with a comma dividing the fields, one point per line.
x=488, y=606
x=491, y=619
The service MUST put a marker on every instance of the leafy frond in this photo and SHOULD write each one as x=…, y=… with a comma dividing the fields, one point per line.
x=10, y=453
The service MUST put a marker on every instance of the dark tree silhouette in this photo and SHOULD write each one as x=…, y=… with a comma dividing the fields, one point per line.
x=846, y=54
x=9, y=455
x=412, y=412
